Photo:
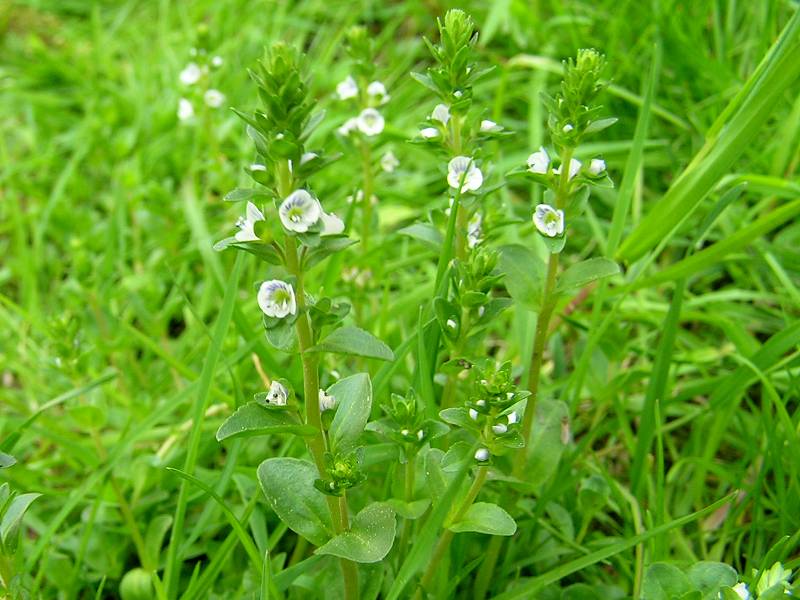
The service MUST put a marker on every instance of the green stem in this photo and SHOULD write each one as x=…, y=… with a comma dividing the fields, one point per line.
x=543, y=320
x=366, y=165
x=316, y=443
x=484, y=576
x=408, y=496
x=447, y=536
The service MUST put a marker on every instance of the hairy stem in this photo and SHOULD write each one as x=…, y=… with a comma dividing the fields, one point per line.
x=366, y=165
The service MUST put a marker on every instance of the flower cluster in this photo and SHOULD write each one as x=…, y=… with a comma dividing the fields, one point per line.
x=492, y=412
x=405, y=423
x=195, y=79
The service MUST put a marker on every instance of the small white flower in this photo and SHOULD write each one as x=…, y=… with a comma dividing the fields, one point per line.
x=326, y=401
x=481, y=310
x=429, y=133
x=246, y=225
x=420, y=435
x=389, y=162
x=307, y=156
x=481, y=403
x=348, y=126
x=370, y=122
x=347, y=89
x=299, y=211
x=216, y=62
x=458, y=93
x=404, y=432
x=276, y=299
x=509, y=395
x=258, y=167
x=482, y=455
x=473, y=414
x=539, y=162
x=597, y=166
x=574, y=168
x=548, y=220
x=742, y=591
x=191, y=74
x=441, y=113
x=185, y=109
x=451, y=324
x=214, y=98
x=474, y=230
x=377, y=90
x=331, y=224
x=500, y=428
x=513, y=418
x=464, y=166
x=567, y=128
x=488, y=126
x=277, y=394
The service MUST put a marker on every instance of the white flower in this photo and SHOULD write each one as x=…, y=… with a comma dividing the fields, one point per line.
x=348, y=126
x=216, y=62
x=308, y=156
x=473, y=414
x=513, y=418
x=499, y=428
x=389, y=162
x=377, y=90
x=429, y=133
x=474, y=230
x=482, y=455
x=331, y=224
x=574, y=168
x=742, y=591
x=214, y=98
x=299, y=211
x=191, y=74
x=246, y=224
x=276, y=299
x=185, y=109
x=277, y=394
x=597, y=166
x=404, y=432
x=441, y=113
x=539, y=162
x=567, y=128
x=347, y=89
x=548, y=220
x=481, y=403
x=458, y=93
x=258, y=167
x=420, y=435
x=464, y=167
x=451, y=324
x=489, y=126
x=370, y=122
x=326, y=401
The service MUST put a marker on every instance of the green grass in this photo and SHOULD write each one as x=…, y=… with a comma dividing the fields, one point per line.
x=125, y=340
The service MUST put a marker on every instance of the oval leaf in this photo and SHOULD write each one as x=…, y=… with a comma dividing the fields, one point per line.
x=356, y=342
x=370, y=538
x=12, y=520
x=524, y=275
x=585, y=272
x=353, y=405
x=485, y=517
x=288, y=484
x=256, y=419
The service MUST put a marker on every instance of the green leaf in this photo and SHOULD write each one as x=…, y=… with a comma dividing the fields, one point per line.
x=663, y=581
x=709, y=577
x=485, y=517
x=288, y=484
x=424, y=232
x=154, y=537
x=524, y=274
x=12, y=521
x=409, y=510
x=256, y=419
x=585, y=272
x=369, y=539
x=545, y=446
x=356, y=342
x=328, y=245
x=353, y=406
x=6, y=460
x=241, y=194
